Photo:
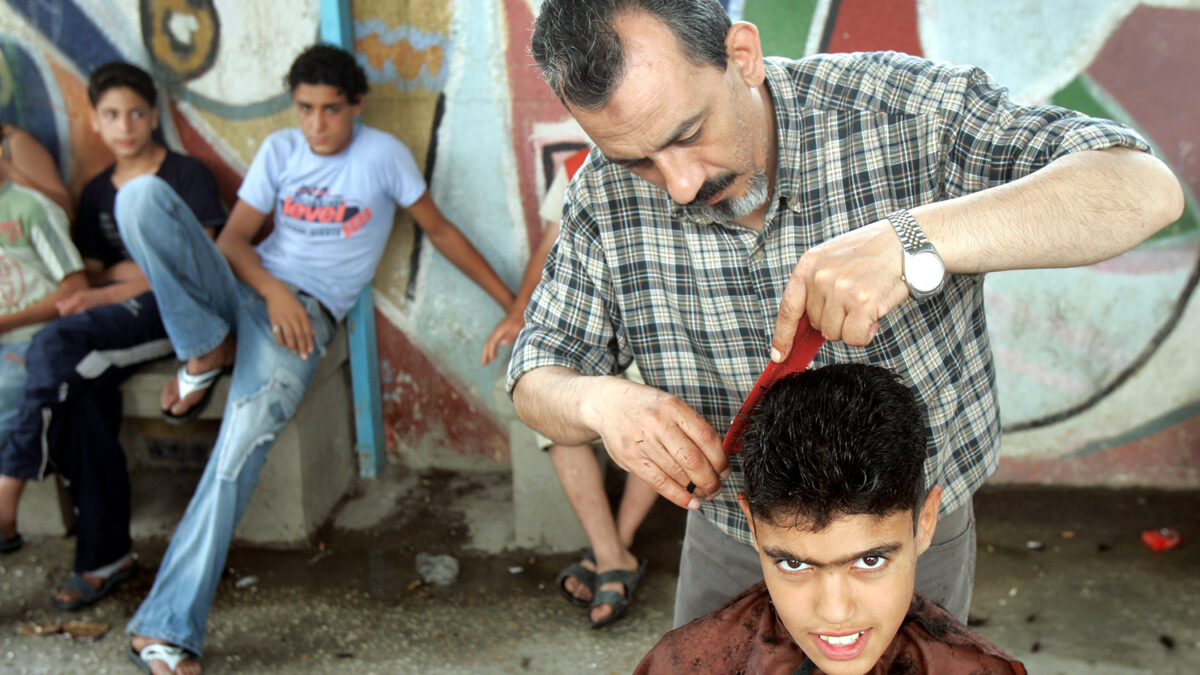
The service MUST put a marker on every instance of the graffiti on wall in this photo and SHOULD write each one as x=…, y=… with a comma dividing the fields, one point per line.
x=454, y=81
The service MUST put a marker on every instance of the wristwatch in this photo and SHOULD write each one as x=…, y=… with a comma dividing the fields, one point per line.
x=923, y=270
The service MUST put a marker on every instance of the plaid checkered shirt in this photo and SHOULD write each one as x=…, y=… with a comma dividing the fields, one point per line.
x=859, y=136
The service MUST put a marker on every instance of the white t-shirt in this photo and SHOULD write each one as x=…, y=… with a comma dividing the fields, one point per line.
x=333, y=213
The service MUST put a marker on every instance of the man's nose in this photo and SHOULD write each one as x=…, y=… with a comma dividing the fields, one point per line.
x=681, y=176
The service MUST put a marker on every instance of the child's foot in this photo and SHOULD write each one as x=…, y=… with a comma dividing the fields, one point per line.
x=178, y=407
x=162, y=658
x=73, y=595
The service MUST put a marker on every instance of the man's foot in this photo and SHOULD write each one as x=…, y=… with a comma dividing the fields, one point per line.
x=577, y=581
x=72, y=595
x=176, y=407
x=159, y=661
x=614, y=590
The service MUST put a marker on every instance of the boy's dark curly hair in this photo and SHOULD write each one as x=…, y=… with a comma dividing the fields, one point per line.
x=328, y=65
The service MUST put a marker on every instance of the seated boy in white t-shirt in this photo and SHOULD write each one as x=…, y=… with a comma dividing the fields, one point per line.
x=269, y=310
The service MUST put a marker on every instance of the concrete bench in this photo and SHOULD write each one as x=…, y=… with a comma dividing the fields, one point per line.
x=309, y=469
x=542, y=515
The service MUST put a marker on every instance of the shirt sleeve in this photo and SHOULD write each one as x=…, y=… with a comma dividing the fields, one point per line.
x=51, y=240
x=260, y=186
x=571, y=320
x=407, y=184
x=991, y=141
x=87, y=225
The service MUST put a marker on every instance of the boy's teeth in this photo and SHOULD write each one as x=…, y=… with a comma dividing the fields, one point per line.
x=841, y=641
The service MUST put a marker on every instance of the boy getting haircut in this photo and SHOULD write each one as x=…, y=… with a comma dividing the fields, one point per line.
x=834, y=472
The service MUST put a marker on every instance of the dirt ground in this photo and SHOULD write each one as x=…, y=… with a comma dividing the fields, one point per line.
x=1063, y=581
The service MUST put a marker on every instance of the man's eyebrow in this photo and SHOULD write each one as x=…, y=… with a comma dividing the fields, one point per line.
x=881, y=550
x=674, y=137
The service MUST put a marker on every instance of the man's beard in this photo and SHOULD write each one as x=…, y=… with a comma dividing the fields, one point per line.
x=728, y=209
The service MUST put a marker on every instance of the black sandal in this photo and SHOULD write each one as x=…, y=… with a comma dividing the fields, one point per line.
x=620, y=602
x=581, y=574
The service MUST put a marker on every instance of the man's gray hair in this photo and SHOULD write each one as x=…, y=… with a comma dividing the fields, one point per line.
x=580, y=54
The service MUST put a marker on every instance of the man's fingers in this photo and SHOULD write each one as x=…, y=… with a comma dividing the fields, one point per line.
x=791, y=309
x=701, y=455
x=671, y=490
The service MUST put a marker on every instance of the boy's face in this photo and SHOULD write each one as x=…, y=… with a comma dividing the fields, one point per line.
x=125, y=122
x=326, y=117
x=843, y=592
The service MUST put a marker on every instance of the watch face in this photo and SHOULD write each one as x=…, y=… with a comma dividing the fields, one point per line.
x=924, y=271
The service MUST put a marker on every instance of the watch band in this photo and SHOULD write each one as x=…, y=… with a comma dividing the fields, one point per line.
x=911, y=235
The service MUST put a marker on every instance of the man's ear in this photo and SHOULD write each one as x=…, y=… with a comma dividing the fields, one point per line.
x=154, y=119
x=927, y=520
x=745, y=504
x=744, y=51
x=95, y=118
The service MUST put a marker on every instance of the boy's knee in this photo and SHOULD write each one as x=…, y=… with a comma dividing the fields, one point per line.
x=136, y=198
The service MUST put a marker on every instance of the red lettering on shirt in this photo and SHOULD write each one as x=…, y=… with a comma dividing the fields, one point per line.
x=12, y=282
x=316, y=214
x=356, y=223
x=13, y=231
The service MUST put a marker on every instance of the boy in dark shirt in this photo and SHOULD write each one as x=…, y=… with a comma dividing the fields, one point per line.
x=70, y=411
x=834, y=469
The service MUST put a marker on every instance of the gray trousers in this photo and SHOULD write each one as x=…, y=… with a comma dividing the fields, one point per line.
x=714, y=567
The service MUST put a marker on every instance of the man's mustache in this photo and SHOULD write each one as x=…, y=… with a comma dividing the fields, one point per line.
x=713, y=186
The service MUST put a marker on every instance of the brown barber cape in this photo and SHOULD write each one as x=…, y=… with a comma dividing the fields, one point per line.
x=746, y=636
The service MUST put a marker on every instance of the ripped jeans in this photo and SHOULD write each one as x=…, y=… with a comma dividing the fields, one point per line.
x=201, y=302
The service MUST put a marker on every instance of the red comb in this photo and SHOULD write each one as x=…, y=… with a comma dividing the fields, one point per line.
x=805, y=346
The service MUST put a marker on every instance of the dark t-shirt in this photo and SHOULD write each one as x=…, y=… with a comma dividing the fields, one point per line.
x=747, y=636
x=96, y=233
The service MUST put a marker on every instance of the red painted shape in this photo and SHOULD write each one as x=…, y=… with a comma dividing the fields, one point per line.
x=532, y=102
x=871, y=25
x=228, y=180
x=1149, y=66
x=423, y=402
x=1168, y=458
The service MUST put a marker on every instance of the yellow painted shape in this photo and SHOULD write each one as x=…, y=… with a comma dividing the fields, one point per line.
x=406, y=59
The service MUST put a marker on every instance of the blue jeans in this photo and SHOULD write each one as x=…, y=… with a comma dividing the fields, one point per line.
x=12, y=383
x=201, y=302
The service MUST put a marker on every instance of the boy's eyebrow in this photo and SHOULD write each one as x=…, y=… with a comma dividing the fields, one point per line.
x=881, y=550
x=675, y=136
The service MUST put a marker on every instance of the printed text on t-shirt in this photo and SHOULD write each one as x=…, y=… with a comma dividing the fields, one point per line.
x=319, y=205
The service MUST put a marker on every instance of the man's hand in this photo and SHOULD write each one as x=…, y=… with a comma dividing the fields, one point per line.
x=81, y=301
x=503, y=334
x=659, y=438
x=289, y=321
x=844, y=286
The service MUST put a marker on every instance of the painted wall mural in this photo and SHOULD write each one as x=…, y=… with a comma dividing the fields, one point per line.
x=1098, y=381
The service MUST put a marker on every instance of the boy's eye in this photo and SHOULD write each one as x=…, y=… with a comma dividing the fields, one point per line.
x=792, y=565
x=871, y=562
x=690, y=139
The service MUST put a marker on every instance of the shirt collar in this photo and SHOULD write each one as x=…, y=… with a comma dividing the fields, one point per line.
x=789, y=155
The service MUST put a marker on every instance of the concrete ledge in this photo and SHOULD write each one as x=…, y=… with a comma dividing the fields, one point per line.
x=543, y=517
x=311, y=466
x=45, y=509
